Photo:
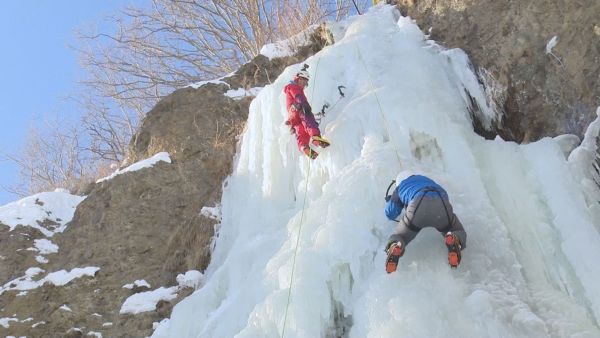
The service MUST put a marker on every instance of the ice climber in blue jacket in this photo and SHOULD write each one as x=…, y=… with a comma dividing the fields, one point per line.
x=421, y=203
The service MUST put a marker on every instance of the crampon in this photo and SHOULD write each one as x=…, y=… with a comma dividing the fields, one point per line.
x=395, y=251
x=453, y=244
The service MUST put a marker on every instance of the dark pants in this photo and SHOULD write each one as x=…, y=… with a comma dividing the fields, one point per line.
x=429, y=210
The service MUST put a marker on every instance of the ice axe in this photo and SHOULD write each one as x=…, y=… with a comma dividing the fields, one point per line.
x=388, y=197
x=321, y=113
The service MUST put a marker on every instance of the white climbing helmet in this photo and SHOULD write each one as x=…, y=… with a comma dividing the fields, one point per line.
x=303, y=74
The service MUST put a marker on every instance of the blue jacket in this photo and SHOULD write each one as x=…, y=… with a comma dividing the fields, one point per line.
x=409, y=189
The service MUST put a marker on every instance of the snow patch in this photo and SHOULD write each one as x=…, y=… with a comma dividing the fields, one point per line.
x=191, y=279
x=5, y=321
x=215, y=81
x=551, y=44
x=146, y=301
x=95, y=334
x=138, y=283
x=41, y=259
x=64, y=307
x=212, y=212
x=58, y=278
x=240, y=93
x=45, y=246
x=57, y=206
x=38, y=324
x=147, y=163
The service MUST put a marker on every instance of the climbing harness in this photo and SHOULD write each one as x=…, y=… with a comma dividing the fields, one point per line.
x=423, y=192
x=387, y=192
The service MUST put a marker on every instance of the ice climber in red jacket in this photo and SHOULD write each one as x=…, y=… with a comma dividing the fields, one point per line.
x=300, y=117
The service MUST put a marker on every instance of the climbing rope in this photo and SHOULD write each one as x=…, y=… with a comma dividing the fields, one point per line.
x=296, y=251
x=289, y=297
x=385, y=121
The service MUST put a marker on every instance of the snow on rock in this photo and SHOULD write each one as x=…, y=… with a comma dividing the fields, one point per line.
x=63, y=277
x=147, y=163
x=137, y=283
x=107, y=324
x=57, y=206
x=551, y=44
x=240, y=93
x=45, y=246
x=215, y=81
x=75, y=329
x=212, y=212
x=146, y=301
x=95, y=334
x=64, y=307
x=289, y=46
x=38, y=324
x=41, y=259
x=5, y=321
x=57, y=278
x=191, y=279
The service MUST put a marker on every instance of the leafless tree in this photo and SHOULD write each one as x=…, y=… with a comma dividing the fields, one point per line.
x=155, y=50
x=53, y=157
x=150, y=52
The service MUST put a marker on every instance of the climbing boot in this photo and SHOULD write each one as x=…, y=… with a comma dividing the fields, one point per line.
x=394, y=251
x=309, y=152
x=453, y=244
x=320, y=142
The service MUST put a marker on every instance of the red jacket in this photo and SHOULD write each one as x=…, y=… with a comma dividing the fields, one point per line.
x=295, y=101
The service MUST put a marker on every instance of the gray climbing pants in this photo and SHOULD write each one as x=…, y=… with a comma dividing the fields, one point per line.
x=428, y=210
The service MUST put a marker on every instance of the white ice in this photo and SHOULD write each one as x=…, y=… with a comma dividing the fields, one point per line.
x=531, y=265
x=147, y=163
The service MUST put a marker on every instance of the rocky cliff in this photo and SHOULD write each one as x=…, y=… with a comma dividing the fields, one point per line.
x=141, y=225
x=543, y=90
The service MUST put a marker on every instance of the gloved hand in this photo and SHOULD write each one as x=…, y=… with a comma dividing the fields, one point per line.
x=292, y=130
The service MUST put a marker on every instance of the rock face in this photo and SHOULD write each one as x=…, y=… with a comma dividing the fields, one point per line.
x=144, y=224
x=541, y=94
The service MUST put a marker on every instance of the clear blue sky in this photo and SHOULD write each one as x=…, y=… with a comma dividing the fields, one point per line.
x=37, y=67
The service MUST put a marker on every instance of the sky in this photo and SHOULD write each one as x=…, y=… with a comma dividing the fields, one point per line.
x=38, y=69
